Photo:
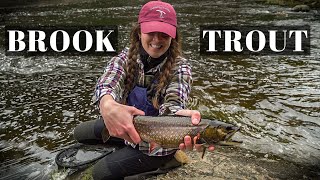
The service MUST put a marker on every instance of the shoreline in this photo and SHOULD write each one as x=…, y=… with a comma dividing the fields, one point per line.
x=238, y=163
x=231, y=163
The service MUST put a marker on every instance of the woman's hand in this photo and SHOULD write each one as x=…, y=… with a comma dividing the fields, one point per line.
x=195, y=120
x=118, y=119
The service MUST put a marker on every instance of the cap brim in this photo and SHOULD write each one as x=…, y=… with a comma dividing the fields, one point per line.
x=157, y=26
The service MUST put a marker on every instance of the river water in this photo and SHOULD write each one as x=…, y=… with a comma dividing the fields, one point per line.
x=275, y=99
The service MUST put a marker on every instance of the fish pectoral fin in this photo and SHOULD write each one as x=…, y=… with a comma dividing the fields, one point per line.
x=154, y=148
x=203, y=151
x=203, y=143
x=105, y=135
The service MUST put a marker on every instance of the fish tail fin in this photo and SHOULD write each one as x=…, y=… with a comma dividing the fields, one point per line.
x=105, y=135
x=181, y=157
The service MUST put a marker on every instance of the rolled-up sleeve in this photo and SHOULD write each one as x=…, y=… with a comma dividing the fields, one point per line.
x=112, y=80
x=177, y=92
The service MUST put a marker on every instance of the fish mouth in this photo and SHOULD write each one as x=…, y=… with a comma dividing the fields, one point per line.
x=228, y=131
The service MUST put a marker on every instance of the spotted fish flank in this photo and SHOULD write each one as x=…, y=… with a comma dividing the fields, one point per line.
x=169, y=131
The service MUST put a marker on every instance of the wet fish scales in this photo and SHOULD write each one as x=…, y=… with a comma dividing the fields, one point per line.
x=169, y=131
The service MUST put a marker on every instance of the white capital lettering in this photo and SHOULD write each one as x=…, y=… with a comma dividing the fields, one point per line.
x=273, y=40
x=33, y=40
x=103, y=41
x=298, y=39
x=76, y=42
x=13, y=40
x=53, y=40
x=262, y=40
x=212, y=39
x=228, y=41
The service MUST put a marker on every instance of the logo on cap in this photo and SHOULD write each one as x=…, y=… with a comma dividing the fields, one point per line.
x=161, y=13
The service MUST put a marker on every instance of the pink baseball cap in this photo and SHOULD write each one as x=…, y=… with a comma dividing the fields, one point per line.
x=158, y=16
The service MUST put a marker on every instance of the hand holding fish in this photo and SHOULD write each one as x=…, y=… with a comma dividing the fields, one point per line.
x=119, y=124
x=195, y=120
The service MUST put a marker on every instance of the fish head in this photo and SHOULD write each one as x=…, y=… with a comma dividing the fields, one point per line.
x=217, y=131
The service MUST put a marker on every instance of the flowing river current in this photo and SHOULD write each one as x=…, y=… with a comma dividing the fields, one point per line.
x=275, y=99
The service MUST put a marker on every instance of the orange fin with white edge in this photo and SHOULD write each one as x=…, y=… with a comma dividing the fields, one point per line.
x=154, y=148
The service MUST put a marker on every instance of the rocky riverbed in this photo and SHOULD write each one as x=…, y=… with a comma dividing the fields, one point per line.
x=296, y=4
x=231, y=163
x=237, y=163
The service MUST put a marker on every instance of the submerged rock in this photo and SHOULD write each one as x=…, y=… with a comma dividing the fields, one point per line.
x=302, y=8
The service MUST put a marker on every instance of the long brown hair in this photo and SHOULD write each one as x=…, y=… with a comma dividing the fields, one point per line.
x=166, y=71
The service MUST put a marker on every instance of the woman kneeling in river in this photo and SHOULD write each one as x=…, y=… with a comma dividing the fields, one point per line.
x=149, y=78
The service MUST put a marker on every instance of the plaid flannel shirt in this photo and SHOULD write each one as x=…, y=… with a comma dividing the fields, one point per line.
x=175, y=95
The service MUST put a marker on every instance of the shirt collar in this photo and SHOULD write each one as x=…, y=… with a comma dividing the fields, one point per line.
x=149, y=62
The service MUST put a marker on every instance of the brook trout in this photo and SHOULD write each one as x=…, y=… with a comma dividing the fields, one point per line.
x=169, y=131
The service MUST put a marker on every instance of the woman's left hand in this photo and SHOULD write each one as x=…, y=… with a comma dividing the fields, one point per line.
x=195, y=120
